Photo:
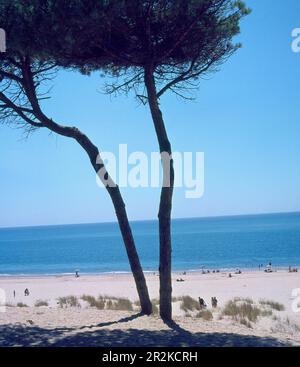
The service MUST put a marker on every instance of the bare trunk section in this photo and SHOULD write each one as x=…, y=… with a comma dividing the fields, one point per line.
x=165, y=206
x=132, y=254
x=119, y=207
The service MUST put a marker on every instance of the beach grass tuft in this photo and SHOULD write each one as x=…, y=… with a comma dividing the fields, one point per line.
x=41, y=303
x=246, y=300
x=68, y=301
x=241, y=310
x=246, y=311
x=273, y=305
x=246, y=323
x=108, y=303
x=93, y=302
x=21, y=304
x=189, y=304
x=205, y=315
x=122, y=304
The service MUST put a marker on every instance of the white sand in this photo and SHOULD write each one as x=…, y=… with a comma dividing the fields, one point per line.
x=255, y=285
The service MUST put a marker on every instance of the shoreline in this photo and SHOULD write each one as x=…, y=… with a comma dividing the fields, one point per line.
x=275, y=269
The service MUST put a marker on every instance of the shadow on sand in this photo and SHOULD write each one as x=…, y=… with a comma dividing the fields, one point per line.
x=98, y=336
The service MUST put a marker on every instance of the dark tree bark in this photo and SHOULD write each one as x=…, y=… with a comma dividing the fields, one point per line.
x=165, y=206
x=119, y=206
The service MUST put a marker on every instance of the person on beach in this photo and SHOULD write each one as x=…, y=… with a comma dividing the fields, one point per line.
x=202, y=303
x=26, y=292
x=14, y=294
x=214, y=302
x=76, y=274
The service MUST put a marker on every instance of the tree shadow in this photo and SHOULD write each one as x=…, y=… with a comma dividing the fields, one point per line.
x=109, y=323
x=175, y=336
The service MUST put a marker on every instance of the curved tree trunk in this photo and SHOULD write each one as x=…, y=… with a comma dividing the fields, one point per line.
x=120, y=209
x=132, y=254
x=165, y=207
x=119, y=205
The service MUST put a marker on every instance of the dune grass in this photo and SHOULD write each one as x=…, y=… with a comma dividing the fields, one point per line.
x=68, y=301
x=189, y=304
x=241, y=310
x=93, y=302
x=246, y=300
x=40, y=303
x=21, y=304
x=246, y=323
x=122, y=304
x=273, y=305
x=108, y=303
x=246, y=311
x=205, y=315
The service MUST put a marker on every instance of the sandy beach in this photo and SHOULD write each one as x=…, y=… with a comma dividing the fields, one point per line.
x=283, y=326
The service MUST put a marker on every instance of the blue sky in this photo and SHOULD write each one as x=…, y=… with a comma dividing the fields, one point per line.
x=246, y=119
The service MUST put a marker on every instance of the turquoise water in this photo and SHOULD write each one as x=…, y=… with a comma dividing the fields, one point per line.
x=213, y=243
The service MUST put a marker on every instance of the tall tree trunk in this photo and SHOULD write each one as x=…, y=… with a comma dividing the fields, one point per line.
x=165, y=206
x=132, y=254
x=118, y=203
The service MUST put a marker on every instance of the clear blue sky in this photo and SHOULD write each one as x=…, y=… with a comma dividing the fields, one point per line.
x=246, y=119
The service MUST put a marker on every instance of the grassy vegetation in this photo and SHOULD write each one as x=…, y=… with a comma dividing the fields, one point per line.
x=246, y=323
x=245, y=311
x=122, y=304
x=108, y=303
x=93, y=302
x=155, y=302
x=239, y=310
x=246, y=300
x=266, y=313
x=205, y=315
x=189, y=304
x=69, y=301
x=155, y=309
x=273, y=305
x=40, y=303
x=21, y=304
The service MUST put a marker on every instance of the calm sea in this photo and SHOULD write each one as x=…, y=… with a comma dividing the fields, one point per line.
x=213, y=243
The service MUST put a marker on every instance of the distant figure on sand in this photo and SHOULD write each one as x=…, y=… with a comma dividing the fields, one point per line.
x=14, y=294
x=77, y=274
x=229, y=275
x=202, y=303
x=26, y=292
x=214, y=302
x=293, y=270
x=269, y=268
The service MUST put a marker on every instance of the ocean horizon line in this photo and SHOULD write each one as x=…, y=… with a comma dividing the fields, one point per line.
x=152, y=220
